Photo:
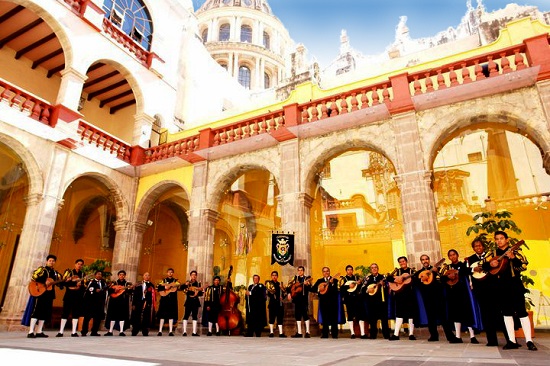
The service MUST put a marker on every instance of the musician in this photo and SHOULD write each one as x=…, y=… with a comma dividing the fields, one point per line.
x=276, y=294
x=432, y=298
x=349, y=285
x=212, y=305
x=455, y=279
x=72, y=301
x=168, y=304
x=404, y=299
x=484, y=293
x=328, y=303
x=192, y=302
x=143, y=306
x=375, y=293
x=255, y=308
x=510, y=289
x=44, y=302
x=301, y=300
x=94, y=304
x=118, y=304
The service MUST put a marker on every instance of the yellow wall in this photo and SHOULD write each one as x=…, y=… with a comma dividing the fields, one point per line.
x=183, y=175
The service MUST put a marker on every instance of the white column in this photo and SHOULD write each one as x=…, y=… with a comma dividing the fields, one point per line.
x=72, y=83
x=236, y=67
x=257, y=81
x=143, y=125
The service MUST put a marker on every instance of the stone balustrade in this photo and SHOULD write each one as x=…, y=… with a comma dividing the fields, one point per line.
x=25, y=102
x=105, y=141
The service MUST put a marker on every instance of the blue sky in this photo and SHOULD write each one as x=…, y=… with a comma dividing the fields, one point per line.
x=370, y=24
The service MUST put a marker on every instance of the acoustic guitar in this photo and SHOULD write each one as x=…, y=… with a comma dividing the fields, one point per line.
x=426, y=276
x=452, y=276
x=169, y=288
x=503, y=260
x=400, y=282
x=36, y=288
x=119, y=289
x=323, y=286
x=298, y=287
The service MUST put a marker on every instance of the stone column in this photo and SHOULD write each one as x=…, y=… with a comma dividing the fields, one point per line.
x=72, y=83
x=143, y=125
x=417, y=198
x=236, y=66
x=230, y=63
x=128, y=242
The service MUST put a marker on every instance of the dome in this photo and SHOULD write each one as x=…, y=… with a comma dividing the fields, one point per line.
x=260, y=5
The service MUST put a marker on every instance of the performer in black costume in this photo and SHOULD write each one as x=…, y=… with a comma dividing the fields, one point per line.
x=94, y=304
x=212, y=305
x=350, y=285
x=192, y=304
x=276, y=294
x=406, y=305
x=328, y=303
x=143, y=306
x=168, y=304
x=375, y=293
x=300, y=301
x=118, y=304
x=72, y=300
x=255, y=308
x=44, y=303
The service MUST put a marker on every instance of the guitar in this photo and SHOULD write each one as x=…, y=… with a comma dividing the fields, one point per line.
x=400, y=282
x=194, y=289
x=36, y=288
x=503, y=260
x=452, y=276
x=323, y=286
x=297, y=287
x=426, y=276
x=119, y=289
x=172, y=287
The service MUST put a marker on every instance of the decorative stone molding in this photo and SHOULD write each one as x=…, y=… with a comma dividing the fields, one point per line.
x=121, y=225
x=211, y=215
x=33, y=199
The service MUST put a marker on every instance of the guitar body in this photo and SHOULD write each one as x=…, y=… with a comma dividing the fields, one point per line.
x=503, y=260
x=168, y=292
x=36, y=289
x=403, y=281
x=119, y=290
x=298, y=287
x=452, y=277
x=322, y=288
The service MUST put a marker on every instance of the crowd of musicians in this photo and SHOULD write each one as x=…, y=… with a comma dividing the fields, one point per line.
x=482, y=293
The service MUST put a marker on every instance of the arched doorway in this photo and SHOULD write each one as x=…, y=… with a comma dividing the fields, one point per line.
x=492, y=169
x=14, y=187
x=356, y=214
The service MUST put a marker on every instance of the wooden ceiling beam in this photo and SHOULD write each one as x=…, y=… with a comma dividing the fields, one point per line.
x=56, y=69
x=106, y=89
x=20, y=32
x=34, y=45
x=116, y=108
x=11, y=13
x=100, y=79
x=47, y=57
x=115, y=97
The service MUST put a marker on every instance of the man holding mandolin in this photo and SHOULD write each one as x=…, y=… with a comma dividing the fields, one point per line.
x=193, y=291
x=327, y=289
x=349, y=289
x=376, y=297
x=299, y=288
x=506, y=264
x=168, y=304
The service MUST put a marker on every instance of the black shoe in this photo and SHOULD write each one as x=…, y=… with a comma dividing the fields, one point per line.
x=393, y=337
x=474, y=340
x=134, y=334
x=184, y=335
x=195, y=335
x=121, y=334
x=108, y=334
x=145, y=334
x=491, y=344
x=412, y=338
x=282, y=335
x=209, y=334
x=159, y=334
x=456, y=340
x=433, y=339
x=83, y=334
x=171, y=334
x=364, y=336
x=307, y=335
x=218, y=334
x=41, y=335
x=511, y=345
x=31, y=335
x=531, y=346
x=271, y=335
x=97, y=334
x=353, y=336
x=59, y=335
x=74, y=335
x=324, y=336
x=297, y=335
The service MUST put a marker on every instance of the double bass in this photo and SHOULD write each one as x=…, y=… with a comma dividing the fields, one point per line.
x=230, y=318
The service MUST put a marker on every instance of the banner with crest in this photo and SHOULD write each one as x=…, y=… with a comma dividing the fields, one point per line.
x=282, y=248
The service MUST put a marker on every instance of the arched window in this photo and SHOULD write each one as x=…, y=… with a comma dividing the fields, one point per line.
x=267, y=40
x=224, y=32
x=267, y=81
x=205, y=35
x=133, y=18
x=244, y=76
x=246, y=33
x=224, y=66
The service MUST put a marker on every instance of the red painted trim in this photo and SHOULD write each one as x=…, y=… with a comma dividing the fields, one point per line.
x=68, y=143
x=67, y=115
x=402, y=101
x=137, y=155
x=538, y=53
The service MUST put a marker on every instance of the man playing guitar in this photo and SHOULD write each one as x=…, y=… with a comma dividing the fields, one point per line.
x=328, y=303
x=300, y=300
x=406, y=306
x=72, y=301
x=168, y=304
x=193, y=291
x=349, y=290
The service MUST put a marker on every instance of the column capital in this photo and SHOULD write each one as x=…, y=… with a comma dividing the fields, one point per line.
x=305, y=199
x=33, y=199
x=120, y=225
x=140, y=227
x=74, y=74
x=211, y=215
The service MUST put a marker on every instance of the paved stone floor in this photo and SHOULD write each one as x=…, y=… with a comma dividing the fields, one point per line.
x=16, y=349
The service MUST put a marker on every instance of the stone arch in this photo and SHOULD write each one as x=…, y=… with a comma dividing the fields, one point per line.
x=318, y=157
x=151, y=196
x=226, y=177
x=36, y=181
x=121, y=203
x=503, y=120
x=132, y=80
x=55, y=25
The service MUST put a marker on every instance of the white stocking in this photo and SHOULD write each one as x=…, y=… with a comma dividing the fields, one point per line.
x=509, y=323
x=398, y=324
x=526, y=326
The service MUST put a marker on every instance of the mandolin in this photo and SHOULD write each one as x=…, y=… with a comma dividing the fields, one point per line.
x=323, y=286
x=372, y=289
x=426, y=276
x=503, y=261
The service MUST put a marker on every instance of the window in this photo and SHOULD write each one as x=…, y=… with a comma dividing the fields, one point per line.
x=224, y=32
x=266, y=40
x=244, y=76
x=224, y=66
x=205, y=35
x=133, y=18
x=267, y=81
x=246, y=33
